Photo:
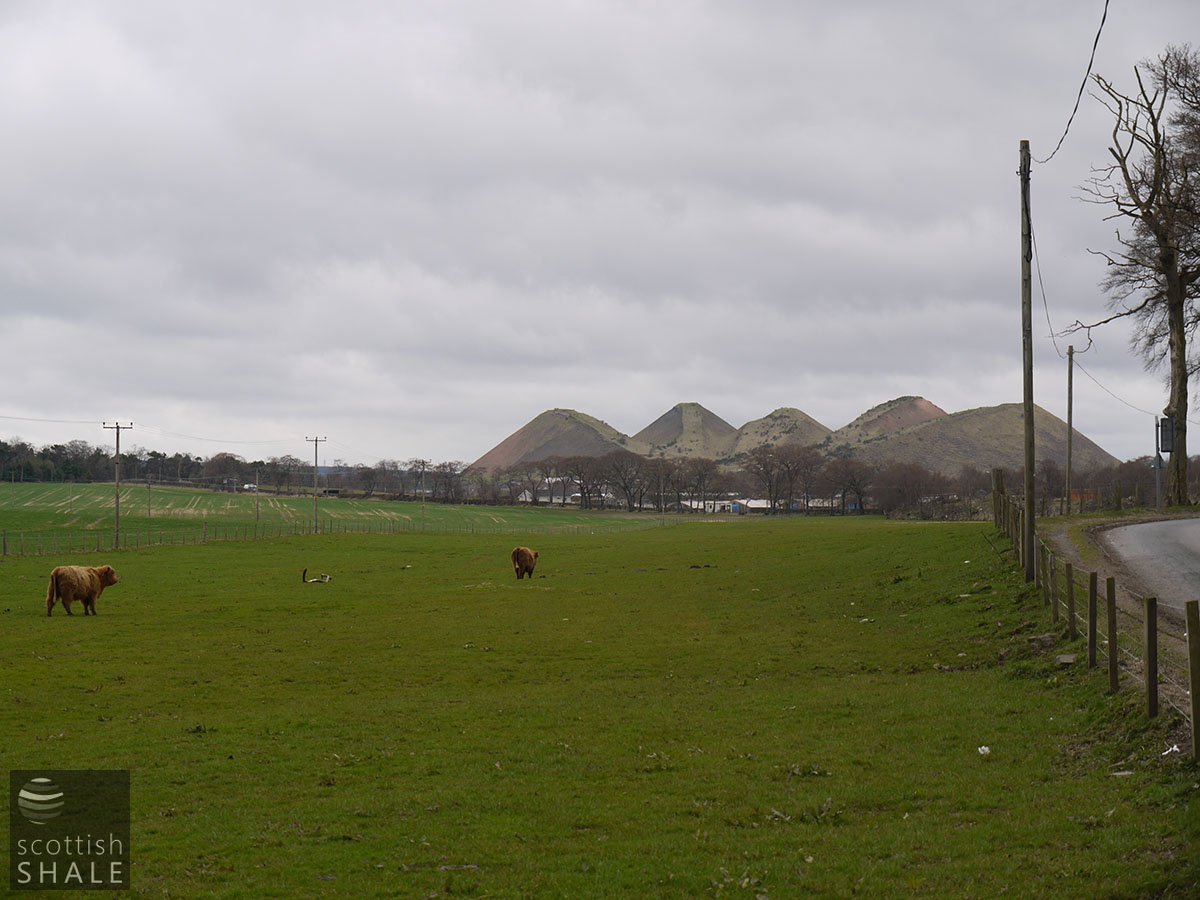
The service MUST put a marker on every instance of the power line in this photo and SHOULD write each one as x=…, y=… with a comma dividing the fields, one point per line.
x=1111, y=394
x=152, y=429
x=1121, y=399
x=157, y=431
x=192, y=437
x=51, y=421
x=1053, y=335
x=1042, y=287
x=1082, y=87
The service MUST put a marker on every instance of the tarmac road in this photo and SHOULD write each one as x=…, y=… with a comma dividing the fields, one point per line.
x=1164, y=557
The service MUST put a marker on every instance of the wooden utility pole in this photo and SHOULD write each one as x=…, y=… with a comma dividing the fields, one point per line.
x=118, y=427
x=316, y=517
x=1070, y=414
x=1027, y=537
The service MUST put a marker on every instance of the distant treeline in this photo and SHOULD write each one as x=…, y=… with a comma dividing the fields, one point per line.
x=800, y=479
x=787, y=478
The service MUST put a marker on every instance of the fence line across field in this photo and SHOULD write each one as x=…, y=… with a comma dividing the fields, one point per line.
x=1112, y=629
x=1149, y=652
x=57, y=541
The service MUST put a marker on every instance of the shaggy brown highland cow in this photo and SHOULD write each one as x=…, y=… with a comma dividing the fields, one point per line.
x=523, y=560
x=84, y=583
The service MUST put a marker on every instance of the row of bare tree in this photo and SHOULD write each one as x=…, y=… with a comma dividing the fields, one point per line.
x=787, y=478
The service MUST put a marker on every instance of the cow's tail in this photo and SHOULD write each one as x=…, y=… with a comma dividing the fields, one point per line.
x=52, y=591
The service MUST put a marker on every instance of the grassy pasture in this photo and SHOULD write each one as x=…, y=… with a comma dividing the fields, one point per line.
x=744, y=709
x=47, y=518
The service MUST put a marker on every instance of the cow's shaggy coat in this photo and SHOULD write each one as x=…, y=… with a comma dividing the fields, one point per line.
x=523, y=560
x=83, y=583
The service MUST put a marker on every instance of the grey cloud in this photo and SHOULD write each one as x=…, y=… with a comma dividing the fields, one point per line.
x=398, y=217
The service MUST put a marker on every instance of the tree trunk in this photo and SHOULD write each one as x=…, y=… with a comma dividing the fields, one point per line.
x=1177, y=405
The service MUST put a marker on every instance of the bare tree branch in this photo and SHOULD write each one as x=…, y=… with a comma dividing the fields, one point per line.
x=1151, y=183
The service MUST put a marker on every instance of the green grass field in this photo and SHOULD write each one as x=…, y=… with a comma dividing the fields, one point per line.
x=744, y=709
x=39, y=519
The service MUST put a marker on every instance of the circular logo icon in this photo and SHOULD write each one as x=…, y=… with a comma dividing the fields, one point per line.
x=40, y=800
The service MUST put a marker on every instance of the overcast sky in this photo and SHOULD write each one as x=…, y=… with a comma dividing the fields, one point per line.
x=412, y=227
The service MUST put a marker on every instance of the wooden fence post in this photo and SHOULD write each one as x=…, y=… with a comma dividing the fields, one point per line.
x=1053, y=589
x=1092, y=592
x=1072, y=632
x=1151, y=606
x=1110, y=585
x=1023, y=556
x=1192, y=608
x=1043, y=570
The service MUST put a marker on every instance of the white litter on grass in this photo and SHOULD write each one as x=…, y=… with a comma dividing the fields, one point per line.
x=985, y=750
x=1172, y=749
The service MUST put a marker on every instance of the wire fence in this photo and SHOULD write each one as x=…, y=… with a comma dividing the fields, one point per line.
x=1061, y=581
x=54, y=542
x=1153, y=644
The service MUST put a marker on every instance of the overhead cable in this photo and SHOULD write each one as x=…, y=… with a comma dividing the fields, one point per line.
x=1082, y=87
